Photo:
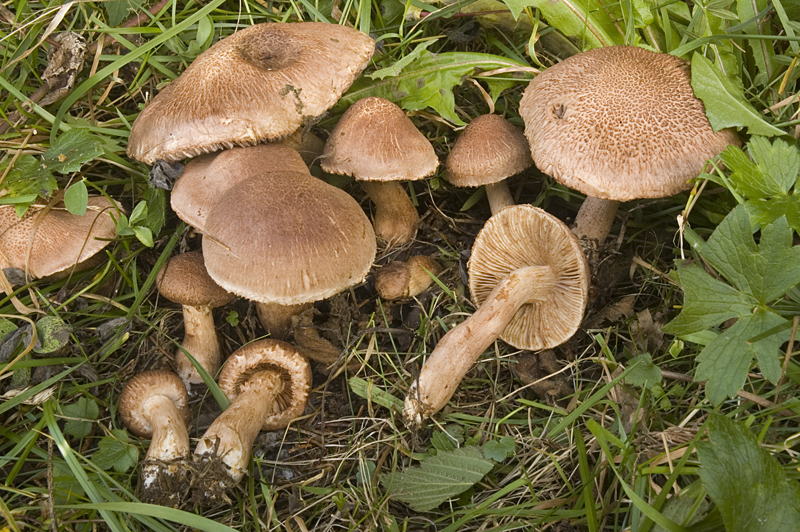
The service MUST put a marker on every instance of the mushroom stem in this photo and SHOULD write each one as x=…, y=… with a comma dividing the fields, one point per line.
x=200, y=341
x=230, y=437
x=458, y=350
x=499, y=196
x=170, y=440
x=396, y=218
x=277, y=319
x=594, y=219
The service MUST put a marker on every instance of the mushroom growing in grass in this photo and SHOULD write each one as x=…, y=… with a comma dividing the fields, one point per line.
x=529, y=279
x=267, y=382
x=489, y=150
x=618, y=123
x=376, y=143
x=406, y=279
x=184, y=280
x=154, y=404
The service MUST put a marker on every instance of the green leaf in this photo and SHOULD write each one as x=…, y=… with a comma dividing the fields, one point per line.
x=114, y=451
x=438, y=478
x=779, y=160
x=724, y=101
x=76, y=198
x=52, y=334
x=644, y=374
x=29, y=177
x=747, y=484
x=367, y=390
x=395, y=69
x=429, y=81
x=71, y=150
x=119, y=10
x=499, y=450
x=766, y=211
x=156, y=200
x=86, y=411
x=762, y=49
x=143, y=234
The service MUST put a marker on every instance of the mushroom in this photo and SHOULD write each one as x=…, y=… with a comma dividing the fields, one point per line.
x=154, y=405
x=184, y=280
x=377, y=143
x=529, y=279
x=268, y=382
x=262, y=82
x=287, y=239
x=406, y=279
x=489, y=150
x=50, y=240
x=617, y=124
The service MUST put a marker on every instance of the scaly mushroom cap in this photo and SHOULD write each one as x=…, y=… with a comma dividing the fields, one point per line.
x=620, y=123
x=262, y=82
x=488, y=150
x=521, y=236
x=206, y=177
x=57, y=239
x=274, y=355
x=133, y=401
x=287, y=238
x=184, y=280
x=375, y=141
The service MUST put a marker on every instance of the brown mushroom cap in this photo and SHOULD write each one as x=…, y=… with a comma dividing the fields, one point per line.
x=522, y=236
x=57, y=239
x=620, y=123
x=287, y=238
x=206, y=177
x=184, y=280
x=273, y=355
x=144, y=386
x=406, y=279
x=375, y=141
x=488, y=150
x=262, y=82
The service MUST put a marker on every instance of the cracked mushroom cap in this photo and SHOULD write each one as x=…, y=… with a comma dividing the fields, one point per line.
x=620, y=123
x=275, y=355
x=262, y=82
x=56, y=239
x=521, y=236
x=185, y=280
x=135, y=397
x=287, y=238
x=375, y=141
x=489, y=150
x=206, y=177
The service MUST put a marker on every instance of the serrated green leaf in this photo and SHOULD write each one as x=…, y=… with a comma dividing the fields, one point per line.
x=499, y=450
x=767, y=211
x=442, y=442
x=29, y=177
x=747, y=484
x=71, y=150
x=114, y=451
x=76, y=198
x=725, y=103
x=394, y=69
x=429, y=81
x=438, y=478
x=779, y=160
x=52, y=334
x=85, y=411
x=747, y=177
x=645, y=374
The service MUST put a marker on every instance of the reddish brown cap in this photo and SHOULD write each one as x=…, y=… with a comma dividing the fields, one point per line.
x=133, y=407
x=184, y=280
x=488, y=150
x=620, y=123
x=273, y=355
x=375, y=141
x=262, y=82
x=521, y=236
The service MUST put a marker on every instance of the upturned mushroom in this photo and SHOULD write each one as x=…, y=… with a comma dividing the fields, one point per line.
x=154, y=405
x=262, y=82
x=529, y=279
x=184, y=280
x=399, y=279
x=268, y=382
x=618, y=123
x=489, y=150
x=376, y=143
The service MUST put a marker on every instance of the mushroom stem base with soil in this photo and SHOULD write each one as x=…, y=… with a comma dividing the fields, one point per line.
x=200, y=341
x=458, y=350
x=396, y=218
x=594, y=219
x=499, y=196
x=277, y=318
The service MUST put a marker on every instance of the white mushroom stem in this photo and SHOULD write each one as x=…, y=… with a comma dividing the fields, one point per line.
x=458, y=350
x=595, y=218
x=231, y=436
x=169, y=442
x=200, y=341
x=499, y=196
x=396, y=218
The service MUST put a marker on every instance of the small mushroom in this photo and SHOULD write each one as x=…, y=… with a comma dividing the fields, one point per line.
x=529, y=279
x=489, y=150
x=268, y=382
x=184, y=280
x=406, y=279
x=154, y=405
